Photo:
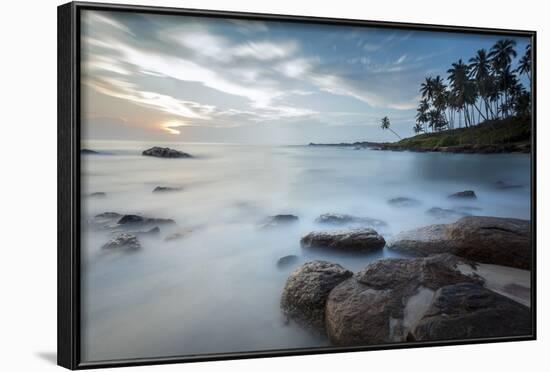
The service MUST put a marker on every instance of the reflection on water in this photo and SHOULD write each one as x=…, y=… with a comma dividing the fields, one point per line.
x=218, y=289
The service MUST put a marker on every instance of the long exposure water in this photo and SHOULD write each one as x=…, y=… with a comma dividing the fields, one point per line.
x=217, y=289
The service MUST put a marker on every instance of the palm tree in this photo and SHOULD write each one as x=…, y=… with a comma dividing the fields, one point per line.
x=458, y=78
x=385, y=124
x=418, y=128
x=422, y=113
x=480, y=71
x=426, y=88
x=524, y=67
x=502, y=53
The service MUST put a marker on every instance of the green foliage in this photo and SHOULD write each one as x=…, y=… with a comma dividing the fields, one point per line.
x=448, y=141
x=512, y=130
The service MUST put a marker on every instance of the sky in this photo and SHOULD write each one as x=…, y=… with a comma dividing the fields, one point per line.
x=151, y=77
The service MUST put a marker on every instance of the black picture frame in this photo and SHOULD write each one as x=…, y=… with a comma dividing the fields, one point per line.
x=68, y=91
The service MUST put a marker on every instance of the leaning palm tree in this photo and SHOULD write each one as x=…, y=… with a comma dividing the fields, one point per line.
x=385, y=124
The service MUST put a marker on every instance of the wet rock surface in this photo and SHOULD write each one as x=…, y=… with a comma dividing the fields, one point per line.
x=351, y=240
x=382, y=302
x=466, y=310
x=306, y=290
x=494, y=240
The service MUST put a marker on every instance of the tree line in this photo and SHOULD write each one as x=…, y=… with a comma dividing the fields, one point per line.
x=485, y=88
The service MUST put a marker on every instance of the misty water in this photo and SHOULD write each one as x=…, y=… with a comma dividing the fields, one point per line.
x=218, y=289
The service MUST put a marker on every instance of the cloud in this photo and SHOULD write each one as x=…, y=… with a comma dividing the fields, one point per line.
x=230, y=73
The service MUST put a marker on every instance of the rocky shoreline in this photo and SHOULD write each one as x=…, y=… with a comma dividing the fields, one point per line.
x=523, y=148
x=469, y=279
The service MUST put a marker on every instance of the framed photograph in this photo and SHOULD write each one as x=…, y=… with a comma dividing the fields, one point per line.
x=237, y=185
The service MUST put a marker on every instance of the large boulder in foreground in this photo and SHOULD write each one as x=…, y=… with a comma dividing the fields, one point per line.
x=165, y=152
x=352, y=240
x=493, y=240
x=385, y=300
x=306, y=290
x=466, y=310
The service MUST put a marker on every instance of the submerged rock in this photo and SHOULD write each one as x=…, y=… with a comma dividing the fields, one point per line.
x=502, y=185
x=466, y=194
x=403, y=202
x=165, y=152
x=352, y=240
x=346, y=219
x=123, y=241
x=306, y=290
x=166, y=189
x=286, y=261
x=466, y=310
x=88, y=152
x=445, y=213
x=494, y=240
x=178, y=235
x=154, y=231
x=98, y=194
x=134, y=219
x=279, y=220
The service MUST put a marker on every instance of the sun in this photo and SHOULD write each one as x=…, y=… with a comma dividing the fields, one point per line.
x=171, y=127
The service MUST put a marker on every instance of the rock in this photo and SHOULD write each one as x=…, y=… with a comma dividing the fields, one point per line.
x=165, y=152
x=154, y=231
x=106, y=220
x=88, y=152
x=493, y=240
x=178, y=235
x=467, y=194
x=279, y=220
x=109, y=215
x=124, y=241
x=502, y=185
x=98, y=195
x=445, y=213
x=467, y=209
x=133, y=219
x=466, y=310
x=286, y=261
x=166, y=189
x=352, y=240
x=346, y=219
x=403, y=202
x=385, y=300
x=306, y=290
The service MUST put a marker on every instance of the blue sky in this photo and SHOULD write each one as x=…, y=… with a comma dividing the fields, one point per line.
x=173, y=78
